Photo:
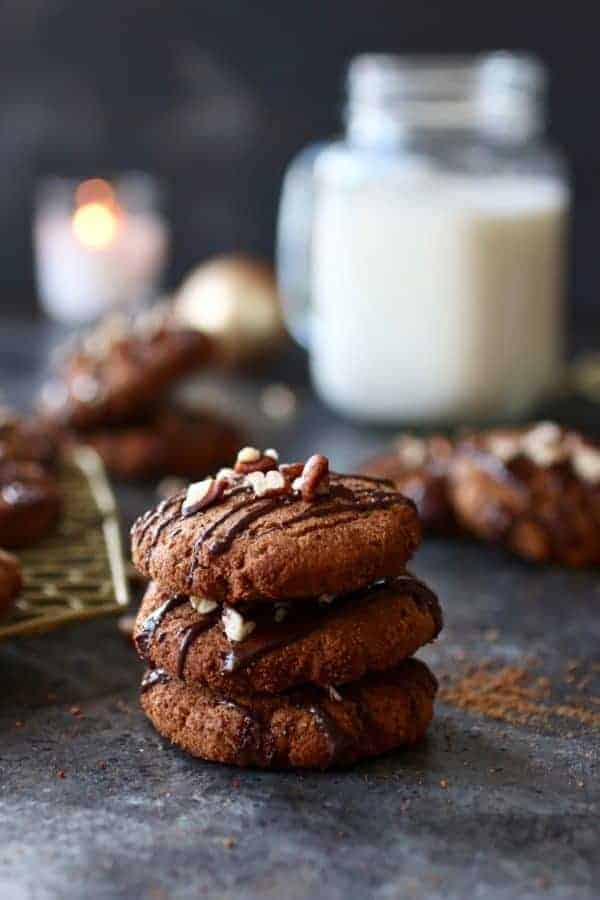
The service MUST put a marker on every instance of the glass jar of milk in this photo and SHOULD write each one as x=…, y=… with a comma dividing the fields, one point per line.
x=421, y=256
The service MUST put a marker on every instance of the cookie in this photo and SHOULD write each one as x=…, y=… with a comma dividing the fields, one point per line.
x=306, y=728
x=118, y=371
x=419, y=469
x=26, y=440
x=289, y=644
x=534, y=490
x=11, y=580
x=276, y=532
x=171, y=442
x=29, y=503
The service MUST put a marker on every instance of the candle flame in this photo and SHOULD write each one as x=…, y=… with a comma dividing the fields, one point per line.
x=95, y=225
x=94, y=190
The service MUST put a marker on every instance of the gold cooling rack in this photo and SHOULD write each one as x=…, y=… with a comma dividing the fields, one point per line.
x=77, y=572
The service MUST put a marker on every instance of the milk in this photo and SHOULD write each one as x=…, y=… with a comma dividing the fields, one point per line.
x=437, y=297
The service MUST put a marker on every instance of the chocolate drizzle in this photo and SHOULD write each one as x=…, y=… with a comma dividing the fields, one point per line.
x=151, y=517
x=338, y=740
x=152, y=677
x=272, y=635
x=189, y=636
x=222, y=543
x=146, y=633
x=216, y=539
x=378, y=500
x=154, y=518
x=361, y=500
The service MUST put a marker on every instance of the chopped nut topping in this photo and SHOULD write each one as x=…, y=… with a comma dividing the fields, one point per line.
x=326, y=599
x=236, y=627
x=268, y=484
x=545, y=433
x=315, y=477
x=201, y=494
x=85, y=388
x=544, y=445
x=226, y=475
x=546, y=455
x=248, y=455
x=586, y=462
x=252, y=460
x=412, y=451
x=291, y=470
x=505, y=446
x=203, y=605
x=54, y=395
x=256, y=481
x=333, y=694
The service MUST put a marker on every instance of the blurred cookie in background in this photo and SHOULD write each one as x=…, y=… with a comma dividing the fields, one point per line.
x=25, y=439
x=11, y=580
x=418, y=467
x=121, y=368
x=30, y=503
x=172, y=441
x=534, y=489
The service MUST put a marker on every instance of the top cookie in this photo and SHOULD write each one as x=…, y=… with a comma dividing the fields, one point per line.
x=119, y=370
x=274, y=532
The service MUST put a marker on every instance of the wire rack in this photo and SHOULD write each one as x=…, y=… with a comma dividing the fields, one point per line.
x=77, y=572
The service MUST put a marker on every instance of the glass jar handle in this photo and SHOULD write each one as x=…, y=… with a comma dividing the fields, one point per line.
x=294, y=239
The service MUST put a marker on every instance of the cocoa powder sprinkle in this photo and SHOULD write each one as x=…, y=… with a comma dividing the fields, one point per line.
x=513, y=694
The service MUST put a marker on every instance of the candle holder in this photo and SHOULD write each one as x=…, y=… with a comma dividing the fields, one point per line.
x=99, y=244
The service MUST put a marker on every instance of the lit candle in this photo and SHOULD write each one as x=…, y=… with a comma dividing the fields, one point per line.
x=98, y=247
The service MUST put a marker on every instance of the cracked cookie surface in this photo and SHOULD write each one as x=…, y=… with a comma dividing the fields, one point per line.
x=305, y=728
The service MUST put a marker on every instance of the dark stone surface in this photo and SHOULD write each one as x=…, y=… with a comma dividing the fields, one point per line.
x=93, y=803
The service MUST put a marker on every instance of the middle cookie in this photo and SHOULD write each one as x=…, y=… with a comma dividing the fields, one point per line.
x=332, y=641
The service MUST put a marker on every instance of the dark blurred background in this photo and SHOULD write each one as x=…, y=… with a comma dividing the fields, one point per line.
x=216, y=97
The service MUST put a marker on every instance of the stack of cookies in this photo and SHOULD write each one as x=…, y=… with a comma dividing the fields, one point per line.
x=534, y=490
x=280, y=623
x=111, y=391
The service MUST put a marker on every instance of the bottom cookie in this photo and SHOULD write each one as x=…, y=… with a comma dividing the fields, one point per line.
x=305, y=728
x=11, y=580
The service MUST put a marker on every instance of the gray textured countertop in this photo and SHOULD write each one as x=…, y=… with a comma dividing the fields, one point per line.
x=93, y=802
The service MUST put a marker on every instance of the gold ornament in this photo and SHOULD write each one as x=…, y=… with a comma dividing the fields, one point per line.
x=235, y=300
